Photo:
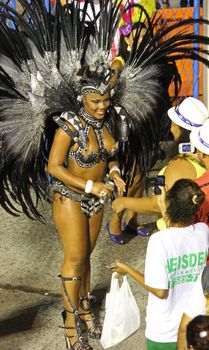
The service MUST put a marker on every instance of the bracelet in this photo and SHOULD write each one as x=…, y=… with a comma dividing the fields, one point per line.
x=115, y=168
x=88, y=187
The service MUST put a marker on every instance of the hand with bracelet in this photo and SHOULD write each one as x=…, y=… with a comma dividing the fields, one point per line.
x=115, y=175
x=99, y=189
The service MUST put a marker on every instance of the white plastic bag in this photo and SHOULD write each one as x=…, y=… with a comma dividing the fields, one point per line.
x=122, y=315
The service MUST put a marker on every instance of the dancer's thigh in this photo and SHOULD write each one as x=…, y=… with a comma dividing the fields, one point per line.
x=73, y=227
x=95, y=224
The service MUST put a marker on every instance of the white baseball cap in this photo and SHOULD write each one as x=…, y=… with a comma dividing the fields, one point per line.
x=190, y=113
x=200, y=137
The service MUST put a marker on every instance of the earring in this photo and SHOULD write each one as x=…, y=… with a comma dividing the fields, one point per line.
x=79, y=98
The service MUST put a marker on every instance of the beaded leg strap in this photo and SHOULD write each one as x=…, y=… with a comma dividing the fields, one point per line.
x=91, y=297
x=80, y=343
x=69, y=279
x=94, y=328
x=84, y=302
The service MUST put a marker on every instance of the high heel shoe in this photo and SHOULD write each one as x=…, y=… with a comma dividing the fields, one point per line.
x=79, y=342
x=118, y=239
x=94, y=329
x=138, y=231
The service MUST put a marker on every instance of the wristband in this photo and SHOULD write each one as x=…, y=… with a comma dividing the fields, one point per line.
x=88, y=187
x=115, y=168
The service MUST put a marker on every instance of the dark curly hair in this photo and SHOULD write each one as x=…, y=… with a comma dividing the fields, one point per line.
x=183, y=201
x=197, y=333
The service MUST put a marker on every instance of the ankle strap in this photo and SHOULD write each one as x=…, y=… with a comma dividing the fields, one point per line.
x=91, y=297
x=84, y=303
x=69, y=279
x=65, y=279
x=70, y=312
x=84, y=297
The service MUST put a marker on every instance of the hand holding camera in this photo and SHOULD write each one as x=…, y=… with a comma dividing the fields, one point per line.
x=159, y=181
x=160, y=190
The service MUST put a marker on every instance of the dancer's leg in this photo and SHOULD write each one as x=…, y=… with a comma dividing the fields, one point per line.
x=85, y=312
x=134, y=191
x=95, y=223
x=73, y=228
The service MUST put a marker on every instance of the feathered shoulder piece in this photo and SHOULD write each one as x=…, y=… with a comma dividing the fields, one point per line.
x=40, y=54
x=45, y=54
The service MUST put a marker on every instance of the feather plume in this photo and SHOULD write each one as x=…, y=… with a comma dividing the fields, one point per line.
x=32, y=90
x=142, y=88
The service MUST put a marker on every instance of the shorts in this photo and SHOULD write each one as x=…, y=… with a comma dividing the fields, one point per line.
x=152, y=345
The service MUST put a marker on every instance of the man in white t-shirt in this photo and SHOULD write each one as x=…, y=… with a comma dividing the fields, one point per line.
x=175, y=258
x=196, y=305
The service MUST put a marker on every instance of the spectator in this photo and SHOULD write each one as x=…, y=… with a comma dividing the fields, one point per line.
x=174, y=259
x=133, y=22
x=198, y=303
x=198, y=333
x=200, y=140
x=191, y=113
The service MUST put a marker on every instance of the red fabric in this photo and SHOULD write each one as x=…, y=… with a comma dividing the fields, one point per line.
x=203, y=213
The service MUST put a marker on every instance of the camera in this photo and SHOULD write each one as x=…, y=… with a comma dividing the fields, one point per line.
x=159, y=181
x=110, y=182
x=186, y=148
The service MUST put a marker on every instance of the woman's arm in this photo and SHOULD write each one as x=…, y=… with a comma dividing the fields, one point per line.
x=115, y=175
x=57, y=156
x=143, y=205
x=118, y=64
x=122, y=269
x=182, y=343
x=175, y=170
x=56, y=168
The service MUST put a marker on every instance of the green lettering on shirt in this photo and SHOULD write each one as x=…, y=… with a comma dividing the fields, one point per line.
x=171, y=264
x=184, y=261
x=201, y=258
x=192, y=260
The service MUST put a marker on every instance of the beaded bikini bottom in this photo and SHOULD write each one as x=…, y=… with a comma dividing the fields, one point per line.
x=89, y=204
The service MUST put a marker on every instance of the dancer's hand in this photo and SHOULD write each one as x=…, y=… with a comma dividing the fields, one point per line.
x=119, y=183
x=118, y=205
x=102, y=190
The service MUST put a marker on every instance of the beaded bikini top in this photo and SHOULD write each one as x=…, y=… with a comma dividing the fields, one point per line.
x=80, y=137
